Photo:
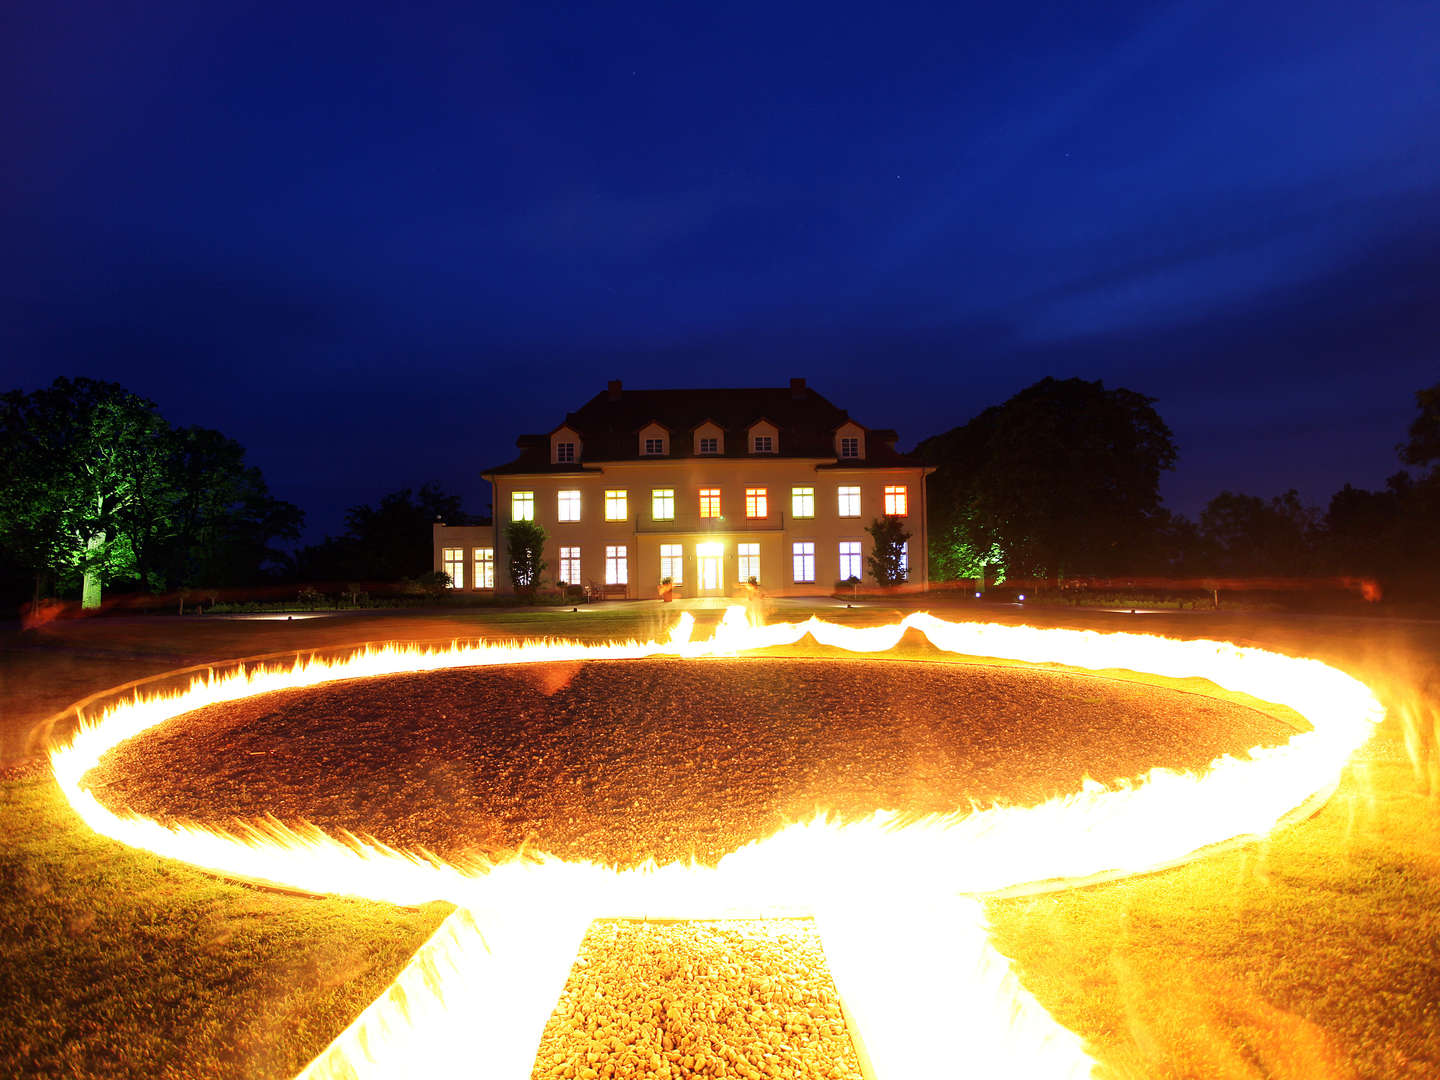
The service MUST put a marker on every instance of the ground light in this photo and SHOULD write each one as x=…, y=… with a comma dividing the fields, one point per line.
x=477, y=995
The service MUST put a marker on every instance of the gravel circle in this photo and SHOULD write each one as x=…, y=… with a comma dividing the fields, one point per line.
x=748, y=999
x=619, y=761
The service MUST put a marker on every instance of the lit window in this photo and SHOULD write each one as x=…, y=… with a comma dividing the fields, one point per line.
x=617, y=564
x=803, y=555
x=569, y=505
x=709, y=445
x=484, y=568
x=654, y=446
x=569, y=566
x=764, y=444
x=849, y=502
x=672, y=563
x=709, y=502
x=522, y=506
x=850, y=446
x=617, y=505
x=662, y=504
x=564, y=452
x=749, y=560
x=802, y=502
x=453, y=561
x=897, y=503
x=757, y=503
x=850, y=565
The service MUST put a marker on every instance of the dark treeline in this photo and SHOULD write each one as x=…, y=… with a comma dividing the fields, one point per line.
x=1061, y=483
x=388, y=542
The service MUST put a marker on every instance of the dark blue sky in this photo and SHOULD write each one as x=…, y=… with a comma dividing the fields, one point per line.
x=375, y=244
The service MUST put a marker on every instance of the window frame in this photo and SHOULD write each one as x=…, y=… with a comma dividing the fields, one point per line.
x=454, y=557
x=849, y=447
x=710, y=504
x=563, y=505
x=897, y=500
x=855, y=556
x=757, y=503
x=659, y=496
x=483, y=559
x=617, y=564
x=617, y=498
x=565, y=453
x=522, y=506
x=570, y=553
x=747, y=553
x=802, y=559
x=653, y=446
x=768, y=448
x=843, y=493
x=672, y=563
x=712, y=449
x=802, y=492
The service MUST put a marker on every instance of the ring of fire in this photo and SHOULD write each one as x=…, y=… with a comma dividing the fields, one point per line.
x=492, y=953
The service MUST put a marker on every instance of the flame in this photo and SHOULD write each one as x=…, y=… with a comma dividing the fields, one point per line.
x=516, y=923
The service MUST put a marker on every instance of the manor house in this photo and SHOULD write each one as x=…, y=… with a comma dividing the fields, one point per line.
x=705, y=490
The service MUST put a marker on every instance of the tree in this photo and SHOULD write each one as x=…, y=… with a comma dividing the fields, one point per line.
x=1423, y=446
x=223, y=518
x=99, y=488
x=386, y=542
x=1247, y=536
x=1063, y=479
x=524, y=544
x=888, y=562
x=1389, y=535
x=80, y=454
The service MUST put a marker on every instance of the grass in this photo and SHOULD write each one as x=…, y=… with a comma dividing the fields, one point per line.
x=1313, y=954
x=116, y=963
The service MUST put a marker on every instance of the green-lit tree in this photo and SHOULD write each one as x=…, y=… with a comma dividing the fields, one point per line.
x=1063, y=479
x=524, y=546
x=887, y=560
x=80, y=454
x=100, y=489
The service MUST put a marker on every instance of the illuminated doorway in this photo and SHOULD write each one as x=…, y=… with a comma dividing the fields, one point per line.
x=711, y=576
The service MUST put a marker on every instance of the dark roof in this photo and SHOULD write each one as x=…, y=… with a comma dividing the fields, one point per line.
x=609, y=425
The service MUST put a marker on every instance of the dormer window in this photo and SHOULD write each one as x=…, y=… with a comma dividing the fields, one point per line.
x=763, y=436
x=653, y=440
x=709, y=439
x=564, y=446
x=849, y=446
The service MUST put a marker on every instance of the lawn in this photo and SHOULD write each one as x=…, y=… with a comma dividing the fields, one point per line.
x=1312, y=954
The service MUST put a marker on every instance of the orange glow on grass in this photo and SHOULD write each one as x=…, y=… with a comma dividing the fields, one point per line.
x=890, y=895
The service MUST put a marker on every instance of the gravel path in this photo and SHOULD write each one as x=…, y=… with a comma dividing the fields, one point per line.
x=620, y=760
x=746, y=999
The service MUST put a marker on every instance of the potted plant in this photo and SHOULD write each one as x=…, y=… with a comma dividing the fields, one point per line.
x=667, y=590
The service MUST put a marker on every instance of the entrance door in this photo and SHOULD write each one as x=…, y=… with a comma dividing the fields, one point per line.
x=710, y=564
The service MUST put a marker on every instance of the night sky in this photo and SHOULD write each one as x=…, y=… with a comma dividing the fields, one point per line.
x=374, y=244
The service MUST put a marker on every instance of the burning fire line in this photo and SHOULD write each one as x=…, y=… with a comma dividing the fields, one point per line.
x=492, y=967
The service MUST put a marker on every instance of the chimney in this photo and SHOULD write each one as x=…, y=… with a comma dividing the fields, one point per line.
x=614, y=389
x=797, y=389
